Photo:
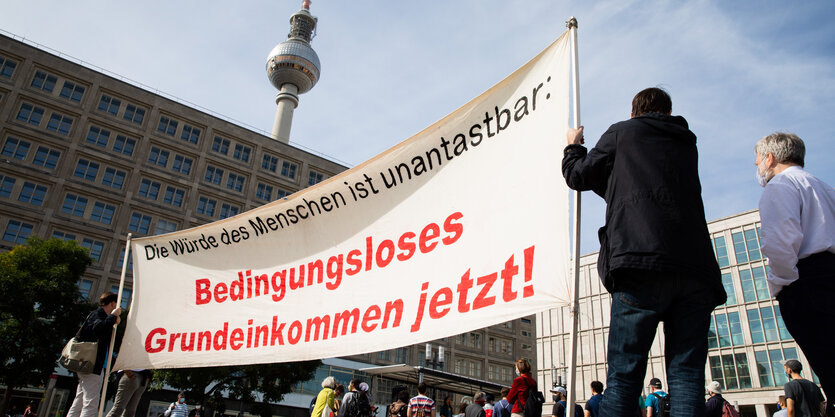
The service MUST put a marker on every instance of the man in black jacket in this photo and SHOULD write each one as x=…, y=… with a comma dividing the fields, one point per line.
x=655, y=255
x=96, y=328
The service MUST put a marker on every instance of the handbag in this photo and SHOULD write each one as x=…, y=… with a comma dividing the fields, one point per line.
x=79, y=356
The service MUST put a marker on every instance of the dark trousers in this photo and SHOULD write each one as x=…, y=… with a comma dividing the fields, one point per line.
x=640, y=301
x=808, y=309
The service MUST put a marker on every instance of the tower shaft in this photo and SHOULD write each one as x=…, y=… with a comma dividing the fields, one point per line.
x=286, y=101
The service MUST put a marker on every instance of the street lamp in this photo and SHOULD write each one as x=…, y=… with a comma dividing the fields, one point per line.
x=435, y=362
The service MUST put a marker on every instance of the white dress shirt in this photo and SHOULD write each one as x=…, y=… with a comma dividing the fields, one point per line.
x=797, y=211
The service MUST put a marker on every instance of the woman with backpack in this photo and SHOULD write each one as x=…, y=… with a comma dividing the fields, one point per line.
x=522, y=384
x=401, y=406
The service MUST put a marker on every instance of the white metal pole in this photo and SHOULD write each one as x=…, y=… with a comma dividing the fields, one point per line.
x=109, y=356
x=575, y=303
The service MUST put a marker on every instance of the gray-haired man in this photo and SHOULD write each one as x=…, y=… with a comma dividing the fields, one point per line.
x=476, y=409
x=797, y=211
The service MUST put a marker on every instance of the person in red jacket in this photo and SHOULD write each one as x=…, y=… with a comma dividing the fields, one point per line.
x=519, y=390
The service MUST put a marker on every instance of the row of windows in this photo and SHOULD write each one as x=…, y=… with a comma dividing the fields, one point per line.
x=33, y=114
x=240, y=151
x=94, y=246
x=29, y=192
x=113, y=106
x=208, y=207
x=765, y=323
x=746, y=245
x=171, y=195
x=214, y=175
x=141, y=223
x=100, y=137
x=179, y=163
x=500, y=345
x=47, y=82
x=19, y=149
x=169, y=126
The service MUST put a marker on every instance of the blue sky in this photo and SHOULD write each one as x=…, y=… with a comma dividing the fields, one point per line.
x=736, y=70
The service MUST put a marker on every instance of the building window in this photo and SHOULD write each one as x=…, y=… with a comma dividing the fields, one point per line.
x=95, y=247
x=167, y=126
x=174, y=196
x=17, y=232
x=754, y=284
x=314, y=178
x=182, y=164
x=264, y=192
x=103, y=212
x=721, y=251
x=149, y=189
x=63, y=235
x=113, y=178
x=124, y=145
x=242, y=152
x=44, y=81
x=228, y=210
x=220, y=145
x=753, y=245
x=731, y=370
x=6, y=186
x=109, y=104
x=235, y=182
x=401, y=355
x=72, y=91
x=213, y=174
x=47, y=158
x=126, y=294
x=739, y=248
x=158, y=156
x=288, y=169
x=165, y=226
x=279, y=193
x=84, y=287
x=32, y=193
x=269, y=163
x=206, y=206
x=59, y=123
x=767, y=325
x=770, y=368
x=139, y=223
x=31, y=114
x=728, y=283
x=190, y=134
x=15, y=148
x=134, y=114
x=98, y=136
x=74, y=205
x=86, y=170
x=121, y=260
x=7, y=67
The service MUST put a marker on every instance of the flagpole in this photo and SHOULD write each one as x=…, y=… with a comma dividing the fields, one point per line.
x=109, y=356
x=575, y=309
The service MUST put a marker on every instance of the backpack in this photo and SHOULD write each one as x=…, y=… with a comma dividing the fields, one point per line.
x=728, y=410
x=663, y=405
x=358, y=406
x=533, y=404
x=401, y=412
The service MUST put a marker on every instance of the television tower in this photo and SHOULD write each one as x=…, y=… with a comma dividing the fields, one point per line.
x=293, y=68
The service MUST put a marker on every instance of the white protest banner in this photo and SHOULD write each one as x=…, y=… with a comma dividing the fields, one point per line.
x=462, y=226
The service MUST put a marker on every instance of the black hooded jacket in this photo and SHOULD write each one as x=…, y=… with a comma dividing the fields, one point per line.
x=646, y=168
x=97, y=328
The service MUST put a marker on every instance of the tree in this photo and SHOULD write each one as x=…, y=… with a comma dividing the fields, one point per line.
x=207, y=385
x=40, y=309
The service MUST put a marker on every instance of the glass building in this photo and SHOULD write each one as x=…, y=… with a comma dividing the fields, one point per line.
x=747, y=339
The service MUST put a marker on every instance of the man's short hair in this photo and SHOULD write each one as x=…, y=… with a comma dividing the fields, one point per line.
x=794, y=365
x=505, y=391
x=651, y=100
x=597, y=387
x=787, y=148
x=479, y=396
x=523, y=366
x=422, y=388
x=107, y=298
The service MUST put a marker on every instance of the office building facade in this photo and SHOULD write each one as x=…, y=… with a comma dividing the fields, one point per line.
x=747, y=339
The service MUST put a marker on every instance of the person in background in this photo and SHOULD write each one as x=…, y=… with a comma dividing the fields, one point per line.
x=519, y=389
x=488, y=405
x=781, y=407
x=560, y=396
x=593, y=404
x=714, y=404
x=97, y=327
x=338, y=392
x=400, y=408
x=178, y=408
x=324, y=401
x=132, y=384
x=28, y=412
x=350, y=395
x=797, y=211
x=421, y=405
x=198, y=411
x=803, y=397
x=656, y=393
x=502, y=407
x=446, y=407
x=462, y=408
x=476, y=409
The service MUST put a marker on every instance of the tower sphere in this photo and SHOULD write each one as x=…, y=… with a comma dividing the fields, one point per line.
x=294, y=61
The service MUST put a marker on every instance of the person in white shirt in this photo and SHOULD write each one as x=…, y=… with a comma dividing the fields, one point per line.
x=797, y=211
